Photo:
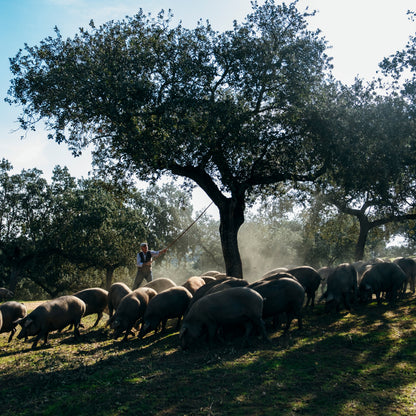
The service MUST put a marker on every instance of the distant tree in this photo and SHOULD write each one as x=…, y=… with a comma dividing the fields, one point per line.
x=24, y=214
x=102, y=232
x=104, y=226
x=54, y=235
x=375, y=176
x=167, y=211
x=205, y=246
x=230, y=112
x=330, y=236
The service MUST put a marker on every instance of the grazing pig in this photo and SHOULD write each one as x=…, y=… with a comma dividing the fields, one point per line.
x=341, y=287
x=382, y=277
x=222, y=282
x=208, y=279
x=227, y=283
x=130, y=310
x=235, y=306
x=310, y=279
x=362, y=266
x=275, y=276
x=161, y=284
x=11, y=311
x=96, y=300
x=117, y=292
x=281, y=296
x=52, y=315
x=5, y=294
x=211, y=273
x=194, y=283
x=274, y=272
x=221, y=276
x=408, y=265
x=169, y=304
x=324, y=272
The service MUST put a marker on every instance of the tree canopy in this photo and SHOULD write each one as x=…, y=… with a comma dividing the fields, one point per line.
x=373, y=174
x=232, y=112
x=62, y=235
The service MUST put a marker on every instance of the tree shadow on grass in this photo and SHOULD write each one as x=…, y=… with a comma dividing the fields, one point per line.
x=342, y=364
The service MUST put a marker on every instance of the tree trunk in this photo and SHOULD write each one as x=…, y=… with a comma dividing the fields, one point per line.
x=15, y=277
x=362, y=239
x=109, y=277
x=231, y=219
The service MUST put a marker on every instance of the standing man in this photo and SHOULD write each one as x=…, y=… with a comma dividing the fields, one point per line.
x=144, y=264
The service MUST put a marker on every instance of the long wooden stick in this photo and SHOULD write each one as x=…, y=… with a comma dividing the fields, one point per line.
x=184, y=231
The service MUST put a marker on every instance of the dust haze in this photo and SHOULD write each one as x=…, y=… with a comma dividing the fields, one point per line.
x=260, y=253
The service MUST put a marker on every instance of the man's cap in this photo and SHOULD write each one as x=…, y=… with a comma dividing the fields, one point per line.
x=143, y=244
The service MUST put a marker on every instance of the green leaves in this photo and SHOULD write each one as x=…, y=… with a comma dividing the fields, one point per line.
x=167, y=96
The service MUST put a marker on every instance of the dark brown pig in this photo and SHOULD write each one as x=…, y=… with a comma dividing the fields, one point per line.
x=169, y=304
x=324, y=272
x=228, y=283
x=216, y=285
x=341, y=287
x=130, y=310
x=117, y=292
x=234, y=306
x=208, y=278
x=194, y=283
x=408, y=265
x=96, y=300
x=11, y=311
x=310, y=279
x=275, y=276
x=274, y=272
x=386, y=278
x=281, y=296
x=211, y=273
x=52, y=315
x=161, y=284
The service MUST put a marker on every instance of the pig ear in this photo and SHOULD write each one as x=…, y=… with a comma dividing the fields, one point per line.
x=367, y=287
x=330, y=297
x=183, y=331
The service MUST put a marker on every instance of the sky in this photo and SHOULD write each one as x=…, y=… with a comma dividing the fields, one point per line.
x=360, y=33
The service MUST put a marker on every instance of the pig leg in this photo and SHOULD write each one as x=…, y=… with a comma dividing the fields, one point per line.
x=261, y=328
x=76, y=330
x=289, y=318
x=212, y=330
x=99, y=316
x=11, y=334
x=248, y=329
x=128, y=332
x=35, y=342
x=299, y=317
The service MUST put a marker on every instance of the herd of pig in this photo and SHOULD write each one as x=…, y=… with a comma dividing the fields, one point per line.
x=213, y=305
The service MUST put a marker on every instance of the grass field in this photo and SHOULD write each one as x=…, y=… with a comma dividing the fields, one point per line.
x=359, y=363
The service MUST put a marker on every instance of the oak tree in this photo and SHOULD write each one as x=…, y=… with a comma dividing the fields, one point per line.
x=229, y=111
